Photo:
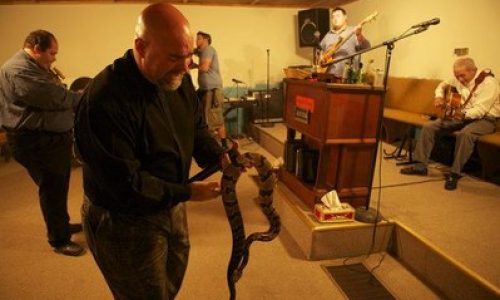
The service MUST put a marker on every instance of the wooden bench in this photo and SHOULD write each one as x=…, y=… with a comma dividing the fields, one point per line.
x=409, y=104
x=488, y=148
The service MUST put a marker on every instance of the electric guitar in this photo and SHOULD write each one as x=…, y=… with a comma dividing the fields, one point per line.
x=328, y=56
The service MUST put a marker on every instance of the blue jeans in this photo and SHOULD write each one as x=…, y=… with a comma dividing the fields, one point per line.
x=141, y=257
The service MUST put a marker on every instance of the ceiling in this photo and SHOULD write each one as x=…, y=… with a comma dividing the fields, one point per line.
x=249, y=3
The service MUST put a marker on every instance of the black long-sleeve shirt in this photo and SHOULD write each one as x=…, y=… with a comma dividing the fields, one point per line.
x=137, y=140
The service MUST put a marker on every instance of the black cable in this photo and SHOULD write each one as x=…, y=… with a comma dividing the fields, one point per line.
x=375, y=224
x=379, y=197
x=407, y=183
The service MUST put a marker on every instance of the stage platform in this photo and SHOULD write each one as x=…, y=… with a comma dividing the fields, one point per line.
x=449, y=240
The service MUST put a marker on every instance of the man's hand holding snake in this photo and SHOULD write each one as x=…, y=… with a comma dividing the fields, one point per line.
x=204, y=190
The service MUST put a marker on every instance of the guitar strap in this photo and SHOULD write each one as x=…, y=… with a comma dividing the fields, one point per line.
x=479, y=79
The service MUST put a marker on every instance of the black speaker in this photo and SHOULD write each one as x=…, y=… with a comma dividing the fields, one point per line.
x=313, y=25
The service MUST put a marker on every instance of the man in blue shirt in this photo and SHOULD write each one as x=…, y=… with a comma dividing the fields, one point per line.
x=37, y=114
x=354, y=43
x=210, y=85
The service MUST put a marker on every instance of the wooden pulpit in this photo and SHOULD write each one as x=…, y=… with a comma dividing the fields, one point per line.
x=341, y=122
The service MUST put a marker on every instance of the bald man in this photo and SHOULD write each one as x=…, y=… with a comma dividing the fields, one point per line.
x=137, y=129
x=478, y=116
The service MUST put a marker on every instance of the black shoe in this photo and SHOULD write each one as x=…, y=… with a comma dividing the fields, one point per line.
x=75, y=228
x=70, y=249
x=451, y=181
x=414, y=171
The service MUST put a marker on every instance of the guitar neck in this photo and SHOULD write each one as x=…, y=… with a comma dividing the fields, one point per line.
x=344, y=39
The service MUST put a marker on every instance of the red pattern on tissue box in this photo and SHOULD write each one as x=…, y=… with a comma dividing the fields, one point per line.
x=324, y=214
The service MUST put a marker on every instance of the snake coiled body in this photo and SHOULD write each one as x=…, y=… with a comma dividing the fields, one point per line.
x=241, y=243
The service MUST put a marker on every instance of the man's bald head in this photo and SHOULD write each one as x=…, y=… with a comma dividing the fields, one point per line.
x=163, y=45
x=161, y=20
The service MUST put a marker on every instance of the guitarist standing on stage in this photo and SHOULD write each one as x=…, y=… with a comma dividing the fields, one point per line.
x=339, y=31
x=477, y=115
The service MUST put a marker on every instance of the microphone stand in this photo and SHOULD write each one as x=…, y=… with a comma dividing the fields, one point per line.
x=238, y=133
x=370, y=215
x=389, y=44
x=267, y=97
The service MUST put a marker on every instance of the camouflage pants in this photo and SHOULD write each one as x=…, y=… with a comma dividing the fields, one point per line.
x=141, y=257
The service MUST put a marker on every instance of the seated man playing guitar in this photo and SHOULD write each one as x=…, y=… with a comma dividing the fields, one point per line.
x=477, y=113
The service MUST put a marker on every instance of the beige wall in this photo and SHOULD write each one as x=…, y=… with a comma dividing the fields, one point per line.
x=464, y=23
x=91, y=36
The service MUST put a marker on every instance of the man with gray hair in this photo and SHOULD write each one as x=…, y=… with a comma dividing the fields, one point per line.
x=137, y=129
x=478, y=112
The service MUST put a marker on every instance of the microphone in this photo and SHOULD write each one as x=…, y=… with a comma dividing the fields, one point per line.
x=58, y=73
x=237, y=81
x=427, y=23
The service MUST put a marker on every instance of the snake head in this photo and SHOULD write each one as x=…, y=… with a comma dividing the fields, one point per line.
x=232, y=152
x=231, y=165
x=233, y=156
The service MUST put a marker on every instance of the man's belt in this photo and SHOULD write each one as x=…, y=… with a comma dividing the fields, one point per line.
x=23, y=131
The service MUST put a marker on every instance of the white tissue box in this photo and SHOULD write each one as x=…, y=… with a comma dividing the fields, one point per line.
x=325, y=214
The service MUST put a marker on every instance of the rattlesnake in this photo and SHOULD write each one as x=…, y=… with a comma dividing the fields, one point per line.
x=241, y=244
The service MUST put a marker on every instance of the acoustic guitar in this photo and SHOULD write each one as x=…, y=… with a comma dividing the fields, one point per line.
x=328, y=56
x=451, y=108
